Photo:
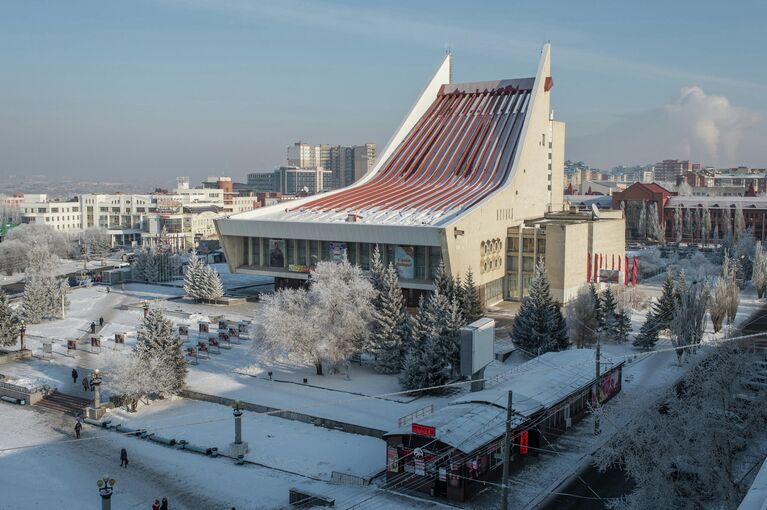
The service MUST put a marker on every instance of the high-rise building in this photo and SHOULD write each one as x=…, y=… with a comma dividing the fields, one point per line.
x=303, y=155
x=349, y=164
x=261, y=181
x=669, y=169
x=291, y=180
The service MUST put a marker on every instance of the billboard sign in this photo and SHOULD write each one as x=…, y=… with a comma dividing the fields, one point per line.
x=404, y=261
x=423, y=430
x=477, y=346
x=337, y=251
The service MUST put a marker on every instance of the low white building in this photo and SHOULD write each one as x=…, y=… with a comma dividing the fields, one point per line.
x=62, y=216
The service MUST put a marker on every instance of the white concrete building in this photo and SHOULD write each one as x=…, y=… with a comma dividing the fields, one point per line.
x=124, y=216
x=62, y=216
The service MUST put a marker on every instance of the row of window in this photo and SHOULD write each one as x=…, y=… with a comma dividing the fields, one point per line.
x=528, y=245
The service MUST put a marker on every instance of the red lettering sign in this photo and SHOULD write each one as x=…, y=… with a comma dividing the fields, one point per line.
x=523, y=442
x=423, y=430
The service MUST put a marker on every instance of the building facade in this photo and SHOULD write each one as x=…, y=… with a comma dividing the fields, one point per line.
x=469, y=161
x=124, y=216
x=300, y=181
x=62, y=216
x=261, y=181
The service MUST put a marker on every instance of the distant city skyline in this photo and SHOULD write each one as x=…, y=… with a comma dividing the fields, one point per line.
x=151, y=89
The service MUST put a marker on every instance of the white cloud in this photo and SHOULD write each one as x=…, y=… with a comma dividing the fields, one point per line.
x=695, y=125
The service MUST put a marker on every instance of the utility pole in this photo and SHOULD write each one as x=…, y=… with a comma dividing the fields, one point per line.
x=506, y=456
x=596, y=391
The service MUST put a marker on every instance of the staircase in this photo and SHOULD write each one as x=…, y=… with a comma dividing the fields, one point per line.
x=63, y=403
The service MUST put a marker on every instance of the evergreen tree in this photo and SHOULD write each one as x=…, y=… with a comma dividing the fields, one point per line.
x=443, y=281
x=157, y=341
x=455, y=322
x=471, y=306
x=377, y=272
x=10, y=324
x=598, y=315
x=58, y=297
x=623, y=329
x=663, y=308
x=193, y=277
x=36, y=300
x=212, y=284
x=534, y=325
x=609, y=310
x=560, y=337
x=648, y=333
x=386, y=340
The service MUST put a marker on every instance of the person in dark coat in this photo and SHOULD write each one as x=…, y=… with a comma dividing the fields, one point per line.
x=124, y=458
x=156, y=505
x=78, y=428
x=85, y=383
x=93, y=327
x=164, y=504
x=74, y=376
x=101, y=321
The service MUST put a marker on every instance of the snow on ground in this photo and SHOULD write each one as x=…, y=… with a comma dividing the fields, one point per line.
x=276, y=442
x=61, y=472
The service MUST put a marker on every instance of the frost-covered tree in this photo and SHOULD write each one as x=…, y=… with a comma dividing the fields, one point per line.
x=705, y=226
x=158, y=343
x=131, y=378
x=689, y=455
x=45, y=296
x=581, y=318
x=38, y=235
x=386, y=336
x=471, y=306
x=326, y=323
x=648, y=333
x=739, y=225
x=642, y=221
x=9, y=322
x=687, y=324
x=663, y=308
x=193, y=277
x=377, y=271
x=13, y=257
x=654, y=228
x=433, y=343
x=759, y=272
x=678, y=227
x=538, y=325
x=214, y=287
x=95, y=243
x=609, y=306
x=157, y=263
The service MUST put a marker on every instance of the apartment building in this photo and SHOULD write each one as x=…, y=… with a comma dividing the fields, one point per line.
x=124, y=216
x=64, y=216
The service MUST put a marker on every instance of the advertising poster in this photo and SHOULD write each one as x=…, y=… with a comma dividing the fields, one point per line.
x=404, y=260
x=337, y=251
x=276, y=253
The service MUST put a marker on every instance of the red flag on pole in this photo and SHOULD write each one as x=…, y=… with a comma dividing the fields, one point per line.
x=613, y=268
x=627, y=270
x=588, y=267
x=619, y=266
x=596, y=268
x=634, y=273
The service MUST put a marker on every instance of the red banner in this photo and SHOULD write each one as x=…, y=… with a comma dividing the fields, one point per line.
x=423, y=430
x=627, y=270
x=524, y=441
x=588, y=267
x=634, y=271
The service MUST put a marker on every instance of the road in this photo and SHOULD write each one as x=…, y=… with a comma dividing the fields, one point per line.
x=614, y=483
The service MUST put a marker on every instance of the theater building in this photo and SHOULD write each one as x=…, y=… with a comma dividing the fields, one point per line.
x=469, y=161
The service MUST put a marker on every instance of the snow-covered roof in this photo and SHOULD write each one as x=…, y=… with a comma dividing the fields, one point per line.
x=756, y=497
x=474, y=419
x=694, y=201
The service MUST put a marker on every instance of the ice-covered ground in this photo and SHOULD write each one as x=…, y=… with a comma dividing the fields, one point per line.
x=290, y=445
x=42, y=466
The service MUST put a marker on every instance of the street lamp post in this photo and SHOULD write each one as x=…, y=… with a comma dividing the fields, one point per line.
x=105, y=486
x=22, y=333
x=96, y=385
x=146, y=308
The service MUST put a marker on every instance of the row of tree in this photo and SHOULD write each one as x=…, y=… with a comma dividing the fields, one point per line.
x=344, y=312
x=201, y=281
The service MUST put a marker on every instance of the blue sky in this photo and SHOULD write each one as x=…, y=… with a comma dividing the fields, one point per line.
x=150, y=89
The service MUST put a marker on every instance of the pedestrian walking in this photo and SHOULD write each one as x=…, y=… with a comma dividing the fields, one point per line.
x=156, y=505
x=93, y=327
x=124, y=458
x=164, y=504
x=78, y=428
x=101, y=322
x=85, y=383
x=74, y=376
x=109, y=289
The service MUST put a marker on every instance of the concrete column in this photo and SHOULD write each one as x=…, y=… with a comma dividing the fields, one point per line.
x=237, y=426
